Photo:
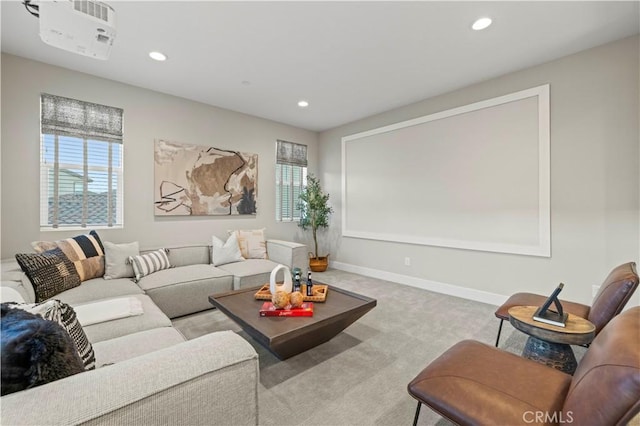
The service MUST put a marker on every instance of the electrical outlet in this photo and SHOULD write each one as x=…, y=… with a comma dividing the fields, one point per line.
x=407, y=261
x=594, y=290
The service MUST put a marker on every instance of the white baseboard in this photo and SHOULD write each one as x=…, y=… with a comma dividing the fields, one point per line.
x=438, y=287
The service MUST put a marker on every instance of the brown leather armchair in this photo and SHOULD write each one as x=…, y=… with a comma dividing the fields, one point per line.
x=612, y=297
x=473, y=383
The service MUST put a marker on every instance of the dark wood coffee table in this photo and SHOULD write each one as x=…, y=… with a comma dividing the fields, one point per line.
x=289, y=336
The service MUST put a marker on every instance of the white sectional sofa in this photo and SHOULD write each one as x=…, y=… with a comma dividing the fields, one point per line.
x=146, y=372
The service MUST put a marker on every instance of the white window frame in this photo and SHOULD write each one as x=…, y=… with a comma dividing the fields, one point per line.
x=291, y=158
x=49, y=168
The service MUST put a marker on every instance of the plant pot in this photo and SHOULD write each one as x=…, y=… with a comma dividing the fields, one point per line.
x=318, y=264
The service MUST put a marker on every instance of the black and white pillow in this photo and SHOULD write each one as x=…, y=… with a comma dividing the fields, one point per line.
x=34, y=351
x=149, y=263
x=50, y=272
x=63, y=314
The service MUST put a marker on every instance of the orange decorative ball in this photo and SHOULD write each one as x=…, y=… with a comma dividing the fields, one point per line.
x=296, y=299
x=280, y=300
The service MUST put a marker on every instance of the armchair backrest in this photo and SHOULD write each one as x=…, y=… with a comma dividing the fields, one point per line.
x=605, y=389
x=613, y=295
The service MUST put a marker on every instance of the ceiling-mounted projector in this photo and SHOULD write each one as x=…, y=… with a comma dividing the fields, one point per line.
x=80, y=26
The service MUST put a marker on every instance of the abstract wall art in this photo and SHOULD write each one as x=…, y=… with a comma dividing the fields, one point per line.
x=196, y=180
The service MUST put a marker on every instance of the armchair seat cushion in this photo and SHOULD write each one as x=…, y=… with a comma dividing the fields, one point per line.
x=530, y=299
x=473, y=383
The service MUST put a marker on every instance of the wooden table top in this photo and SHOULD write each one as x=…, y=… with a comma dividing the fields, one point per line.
x=288, y=336
x=577, y=330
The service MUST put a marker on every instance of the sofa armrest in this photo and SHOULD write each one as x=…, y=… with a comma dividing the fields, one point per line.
x=290, y=254
x=211, y=379
x=13, y=276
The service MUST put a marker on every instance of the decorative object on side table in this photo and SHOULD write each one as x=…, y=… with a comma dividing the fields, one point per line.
x=314, y=214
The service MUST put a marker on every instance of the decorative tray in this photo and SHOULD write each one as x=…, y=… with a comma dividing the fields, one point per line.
x=319, y=293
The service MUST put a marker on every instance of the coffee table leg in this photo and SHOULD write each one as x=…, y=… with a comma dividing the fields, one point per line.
x=556, y=355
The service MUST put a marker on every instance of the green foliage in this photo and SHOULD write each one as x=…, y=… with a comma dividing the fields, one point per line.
x=314, y=208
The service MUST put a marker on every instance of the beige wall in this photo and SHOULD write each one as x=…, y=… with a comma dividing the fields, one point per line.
x=147, y=115
x=594, y=185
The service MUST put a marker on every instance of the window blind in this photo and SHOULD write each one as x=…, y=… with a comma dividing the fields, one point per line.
x=293, y=154
x=81, y=164
x=291, y=177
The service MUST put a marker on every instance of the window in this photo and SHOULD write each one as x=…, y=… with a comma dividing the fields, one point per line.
x=291, y=177
x=80, y=164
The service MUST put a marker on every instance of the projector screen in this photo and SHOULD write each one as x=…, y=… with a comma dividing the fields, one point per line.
x=474, y=177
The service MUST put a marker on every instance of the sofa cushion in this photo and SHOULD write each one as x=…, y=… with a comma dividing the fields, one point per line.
x=97, y=289
x=85, y=251
x=188, y=255
x=250, y=273
x=34, y=351
x=130, y=346
x=116, y=259
x=185, y=290
x=152, y=317
x=50, y=272
x=183, y=274
x=148, y=263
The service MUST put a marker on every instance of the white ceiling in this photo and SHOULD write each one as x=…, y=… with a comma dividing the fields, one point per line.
x=348, y=59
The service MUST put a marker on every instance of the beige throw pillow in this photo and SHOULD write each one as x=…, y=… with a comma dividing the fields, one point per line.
x=252, y=243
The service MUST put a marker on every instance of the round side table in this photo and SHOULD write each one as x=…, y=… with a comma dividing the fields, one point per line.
x=550, y=344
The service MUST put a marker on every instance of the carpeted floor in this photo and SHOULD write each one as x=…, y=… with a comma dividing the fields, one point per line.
x=360, y=377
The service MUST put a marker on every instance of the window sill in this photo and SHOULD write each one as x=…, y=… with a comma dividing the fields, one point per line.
x=78, y=228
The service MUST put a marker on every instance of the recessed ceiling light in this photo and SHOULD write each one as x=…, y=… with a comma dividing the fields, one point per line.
x=303, y=104
x=481, y=24
x=158, y=56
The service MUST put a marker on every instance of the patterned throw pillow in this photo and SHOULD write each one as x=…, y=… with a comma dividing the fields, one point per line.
x=63, y=314
x=252, y=243
x=85, y=251
x=149, y=263
x=50, y=272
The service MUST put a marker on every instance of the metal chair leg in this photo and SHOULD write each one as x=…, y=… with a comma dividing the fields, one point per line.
x=415, y=419
x=499, y=331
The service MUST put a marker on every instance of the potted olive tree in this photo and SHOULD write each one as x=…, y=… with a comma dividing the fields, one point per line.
x=314, y=214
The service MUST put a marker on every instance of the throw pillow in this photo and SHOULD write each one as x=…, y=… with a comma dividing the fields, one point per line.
x=252, y=243
x=85, y=251
x=34, y=351
x=149, y=263
x=50, y=272
x=116, y=259
x=64, y=315
x=223, y=253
